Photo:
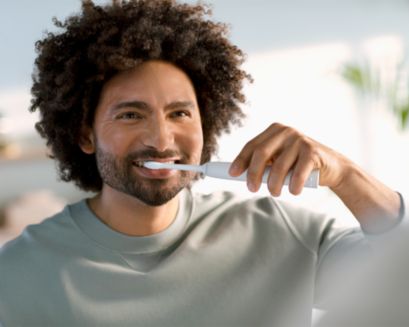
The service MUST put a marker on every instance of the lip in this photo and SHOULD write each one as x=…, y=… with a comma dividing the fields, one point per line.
x=155, y=173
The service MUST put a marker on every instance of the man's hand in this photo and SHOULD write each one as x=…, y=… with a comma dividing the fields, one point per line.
x=374, y=205
x=285, y=149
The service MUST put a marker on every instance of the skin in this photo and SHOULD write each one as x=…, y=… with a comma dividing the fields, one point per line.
x=152, y=107
x=160, y=85
x=374, y=205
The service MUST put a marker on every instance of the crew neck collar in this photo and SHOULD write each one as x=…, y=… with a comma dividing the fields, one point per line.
x=95, y=229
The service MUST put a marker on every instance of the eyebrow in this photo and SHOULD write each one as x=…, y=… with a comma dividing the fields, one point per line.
x=133, y=104
x=144, y=106
x=180, y=104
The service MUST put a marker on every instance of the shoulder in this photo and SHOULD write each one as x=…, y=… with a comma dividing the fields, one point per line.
x=31, y=236
x=34, y=259
x=258, y=210
x=29, y=263
x=37, y=240
x=262, y=206
x=282, y=218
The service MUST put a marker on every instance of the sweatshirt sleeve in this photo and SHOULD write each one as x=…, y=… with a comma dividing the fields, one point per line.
x=378, y=294
x=343, y=255
x=336, y=248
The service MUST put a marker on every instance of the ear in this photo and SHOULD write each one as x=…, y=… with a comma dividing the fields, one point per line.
x=87, y=140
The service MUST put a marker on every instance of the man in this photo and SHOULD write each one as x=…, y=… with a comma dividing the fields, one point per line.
x=155, y=80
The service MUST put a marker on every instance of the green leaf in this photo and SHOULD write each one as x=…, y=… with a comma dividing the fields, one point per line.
x=404, y=115
x=353, y=74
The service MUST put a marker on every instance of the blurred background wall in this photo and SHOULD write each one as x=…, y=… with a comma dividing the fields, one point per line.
x=325, y=67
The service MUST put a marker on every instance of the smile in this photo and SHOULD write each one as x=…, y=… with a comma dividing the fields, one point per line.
x=155, y=174
x=140, y=164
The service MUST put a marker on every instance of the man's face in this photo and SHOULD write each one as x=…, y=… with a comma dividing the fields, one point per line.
x=147, y=113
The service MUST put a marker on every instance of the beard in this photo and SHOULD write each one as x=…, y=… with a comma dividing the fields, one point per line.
x=120, y=175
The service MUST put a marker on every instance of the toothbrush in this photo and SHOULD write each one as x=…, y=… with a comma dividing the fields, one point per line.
x=220, y=170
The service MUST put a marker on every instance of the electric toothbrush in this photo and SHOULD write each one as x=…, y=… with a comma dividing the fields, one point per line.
x=221, y=170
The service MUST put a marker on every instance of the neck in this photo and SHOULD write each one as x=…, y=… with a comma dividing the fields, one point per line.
x=128, y=215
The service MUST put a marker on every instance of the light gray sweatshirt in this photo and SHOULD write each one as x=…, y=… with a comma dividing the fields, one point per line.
x=224, y=261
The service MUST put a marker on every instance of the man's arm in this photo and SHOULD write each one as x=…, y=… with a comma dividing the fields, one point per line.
x=374, y=205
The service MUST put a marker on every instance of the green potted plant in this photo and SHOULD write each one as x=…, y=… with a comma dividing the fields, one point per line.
x=367, y=81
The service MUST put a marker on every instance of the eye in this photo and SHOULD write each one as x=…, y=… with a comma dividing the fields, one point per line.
x=129, y=115
x=180, y=114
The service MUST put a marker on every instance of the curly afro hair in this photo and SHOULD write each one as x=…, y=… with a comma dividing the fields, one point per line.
x=94, y=45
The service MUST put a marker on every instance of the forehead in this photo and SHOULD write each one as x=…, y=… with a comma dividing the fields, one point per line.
x=151, y=79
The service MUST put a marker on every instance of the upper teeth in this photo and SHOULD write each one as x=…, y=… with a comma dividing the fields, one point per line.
x=141, y=163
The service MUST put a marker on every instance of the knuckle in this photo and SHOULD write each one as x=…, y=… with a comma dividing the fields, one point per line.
x=249, y=144
x=306, y=145
x=279, y=167
x=305, y=141
x=251, y=174
x=293, y=133
x=252, y=143
x=310, y=151
x=278, y=125
x=292, y=137
x=240, y=158
x=261, y=152
x=297, y=176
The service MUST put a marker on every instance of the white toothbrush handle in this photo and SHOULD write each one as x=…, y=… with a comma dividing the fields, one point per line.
x=221, y=170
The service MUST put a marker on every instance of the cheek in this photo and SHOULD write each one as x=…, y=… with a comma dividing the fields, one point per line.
x=113, y=140
x=197, y=142
x=192, y=140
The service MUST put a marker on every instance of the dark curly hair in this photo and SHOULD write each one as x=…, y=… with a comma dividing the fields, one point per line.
x=94, y=45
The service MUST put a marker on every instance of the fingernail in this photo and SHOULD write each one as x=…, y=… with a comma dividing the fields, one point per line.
x=251, y=186
x=234, y=169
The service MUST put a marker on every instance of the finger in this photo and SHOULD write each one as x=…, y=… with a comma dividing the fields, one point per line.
x=243, y=159
x=241, y=162
x=279, y=170
x=261, y=156
x=308, y=160
x=258, y=163
x=300, y=174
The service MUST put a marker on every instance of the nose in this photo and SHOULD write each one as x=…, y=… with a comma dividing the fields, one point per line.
x=159, y=135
